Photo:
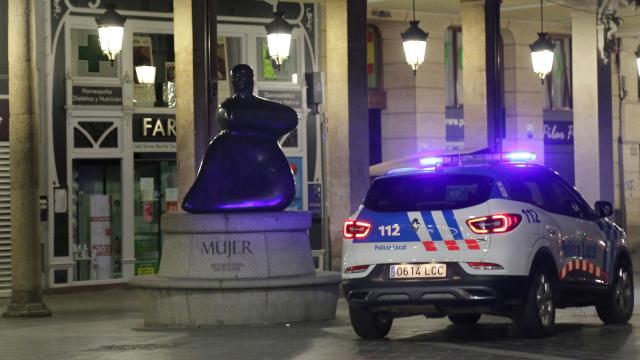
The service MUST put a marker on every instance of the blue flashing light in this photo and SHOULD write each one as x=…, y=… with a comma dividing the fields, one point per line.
x=401, y=170
x=519, y=156
x=461, y=159
x=431, y=161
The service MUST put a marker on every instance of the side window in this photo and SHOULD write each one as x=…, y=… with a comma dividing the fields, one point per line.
x=565, y=201
x=587, y=212
x=527, y=189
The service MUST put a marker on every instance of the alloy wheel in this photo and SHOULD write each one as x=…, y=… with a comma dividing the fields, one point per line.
x=544, y=300
x=623, y=290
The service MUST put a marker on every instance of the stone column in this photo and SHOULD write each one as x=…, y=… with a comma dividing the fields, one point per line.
x=593, y=157
x=185, y=112
x=196, y=85
x=474, y=74
x=24, y=132
x=523, y=93
x=347, y=115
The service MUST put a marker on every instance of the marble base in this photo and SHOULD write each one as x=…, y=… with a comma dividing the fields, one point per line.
x=236, y=268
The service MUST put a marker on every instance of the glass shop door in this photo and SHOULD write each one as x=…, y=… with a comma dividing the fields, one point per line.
x=97, y=220
x=155, y=194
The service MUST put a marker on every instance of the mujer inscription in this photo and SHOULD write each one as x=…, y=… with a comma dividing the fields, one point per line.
x=226, y=248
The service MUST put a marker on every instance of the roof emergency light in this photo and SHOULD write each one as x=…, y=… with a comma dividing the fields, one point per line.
x=431, y=161
x=460, y=159
x=520, y=156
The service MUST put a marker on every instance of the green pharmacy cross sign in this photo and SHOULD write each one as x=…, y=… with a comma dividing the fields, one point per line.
x=92, y=53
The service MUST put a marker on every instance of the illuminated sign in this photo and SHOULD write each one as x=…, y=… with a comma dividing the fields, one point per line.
x=154, y=133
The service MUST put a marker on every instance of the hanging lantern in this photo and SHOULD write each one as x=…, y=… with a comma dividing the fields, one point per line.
x=279, y=38
x=146, y=74
x=414, y=43
x=542, y=51
x=542, y=55
x=111, y=31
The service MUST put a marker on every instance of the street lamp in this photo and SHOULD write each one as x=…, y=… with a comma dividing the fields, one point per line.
x=146, y=74
x=542, y=51
x=414, y=42
x=279, y=38
x=110, y=31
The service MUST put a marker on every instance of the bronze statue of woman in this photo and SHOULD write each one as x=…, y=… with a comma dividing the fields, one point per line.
x=244, y=168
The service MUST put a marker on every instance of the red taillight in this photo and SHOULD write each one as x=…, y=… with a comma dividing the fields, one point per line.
x=356, y=269
x=494, y=224
x=353, y=229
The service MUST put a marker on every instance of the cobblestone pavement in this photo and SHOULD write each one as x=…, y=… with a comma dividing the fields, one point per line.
x=108, y=325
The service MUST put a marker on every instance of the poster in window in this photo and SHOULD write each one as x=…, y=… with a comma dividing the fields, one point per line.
x=142, y=51
x=224, y=89
x=143, y=55
x=169, y=71
x=222, y=59
x=295, y=162
x=266, y=70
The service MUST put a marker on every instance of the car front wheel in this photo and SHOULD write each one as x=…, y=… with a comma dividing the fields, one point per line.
x=617, y=307
x=370, y=325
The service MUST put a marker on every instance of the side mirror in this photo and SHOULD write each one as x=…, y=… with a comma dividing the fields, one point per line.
x=604, y=209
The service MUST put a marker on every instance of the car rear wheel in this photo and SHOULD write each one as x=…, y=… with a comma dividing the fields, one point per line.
x=617, y=307
x=370, y=325
x=536, y=317
x=464, y=319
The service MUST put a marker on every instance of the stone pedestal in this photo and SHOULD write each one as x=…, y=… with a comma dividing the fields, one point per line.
x=236, y=268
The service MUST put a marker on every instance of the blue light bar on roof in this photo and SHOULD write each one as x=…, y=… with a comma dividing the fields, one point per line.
x=432, y=161
x=400, y=170
x=460, y=159
x=519, y=156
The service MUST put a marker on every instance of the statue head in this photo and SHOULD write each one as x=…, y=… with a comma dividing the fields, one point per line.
x=242, y=79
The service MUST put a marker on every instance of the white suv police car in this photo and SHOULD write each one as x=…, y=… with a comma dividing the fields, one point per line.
x=482, y=234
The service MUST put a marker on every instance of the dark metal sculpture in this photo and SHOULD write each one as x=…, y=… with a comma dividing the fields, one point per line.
x=244, y=168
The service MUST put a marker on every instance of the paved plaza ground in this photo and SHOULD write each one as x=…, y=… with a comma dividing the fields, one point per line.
x=107, y=324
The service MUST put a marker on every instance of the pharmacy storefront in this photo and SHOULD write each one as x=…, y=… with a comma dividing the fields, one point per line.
x=111, y=133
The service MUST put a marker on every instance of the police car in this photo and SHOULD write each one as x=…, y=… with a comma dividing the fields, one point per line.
x=482, y=234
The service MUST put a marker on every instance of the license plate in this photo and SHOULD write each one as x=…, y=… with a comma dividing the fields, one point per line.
x=412, y=271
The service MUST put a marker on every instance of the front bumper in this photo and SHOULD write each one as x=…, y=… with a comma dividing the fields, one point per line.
x=459, y=290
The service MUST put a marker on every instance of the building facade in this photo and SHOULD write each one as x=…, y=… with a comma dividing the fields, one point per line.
x=109, y=141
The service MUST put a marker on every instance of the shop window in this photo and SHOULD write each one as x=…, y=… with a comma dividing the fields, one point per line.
x=229, y=54
x=154, y=51
x=557, y=85
x=266, y=67
x=374, y=72
x=453, y=66
x=97, y=219
x=87, y=58
x=155, y=194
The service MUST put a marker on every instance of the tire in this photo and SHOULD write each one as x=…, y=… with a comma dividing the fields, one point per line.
x=464, y=319
x=617, y=307
x=370, y=325
x=535, y=318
